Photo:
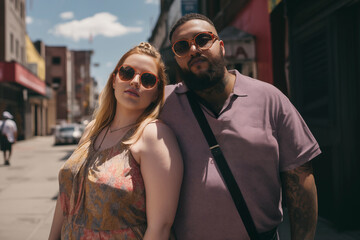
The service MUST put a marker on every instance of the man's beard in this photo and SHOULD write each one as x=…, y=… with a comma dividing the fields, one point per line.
x=206, y=79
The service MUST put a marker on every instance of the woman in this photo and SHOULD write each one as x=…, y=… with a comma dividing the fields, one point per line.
x=124, y=153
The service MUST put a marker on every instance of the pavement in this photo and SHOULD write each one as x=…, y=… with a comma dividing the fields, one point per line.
x=29, y=187
x=325, y=230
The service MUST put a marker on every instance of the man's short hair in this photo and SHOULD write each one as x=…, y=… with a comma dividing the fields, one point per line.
x=186, y=18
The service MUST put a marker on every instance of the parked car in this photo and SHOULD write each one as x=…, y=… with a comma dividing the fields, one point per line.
x=68, y=133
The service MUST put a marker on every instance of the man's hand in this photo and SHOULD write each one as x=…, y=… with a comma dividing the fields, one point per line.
x=301, y=198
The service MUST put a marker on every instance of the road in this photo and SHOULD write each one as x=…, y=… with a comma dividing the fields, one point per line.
x=28, y=188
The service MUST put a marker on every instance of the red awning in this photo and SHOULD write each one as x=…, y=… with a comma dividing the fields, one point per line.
x=14, y=72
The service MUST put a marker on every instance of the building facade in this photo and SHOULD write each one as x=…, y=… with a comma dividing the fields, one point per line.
x=68, y=73
x=22, y=92
x=13, y=31
x=324, y=54
x=60, y=76
x=35, y=58
x=84, y=84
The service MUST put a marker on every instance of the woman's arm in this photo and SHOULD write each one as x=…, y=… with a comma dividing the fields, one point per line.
x=162, y=170
x=55, y=232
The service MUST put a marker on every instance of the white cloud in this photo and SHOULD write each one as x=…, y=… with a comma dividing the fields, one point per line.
x=28, y=20
x=67, y=15
x=152, y=1
x=103, y=23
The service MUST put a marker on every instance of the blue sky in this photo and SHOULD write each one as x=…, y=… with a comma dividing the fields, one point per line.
x=113, y=25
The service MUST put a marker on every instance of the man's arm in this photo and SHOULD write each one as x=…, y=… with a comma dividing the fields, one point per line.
x=301, y=198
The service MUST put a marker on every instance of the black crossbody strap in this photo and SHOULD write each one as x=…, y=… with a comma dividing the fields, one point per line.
x=224, y=168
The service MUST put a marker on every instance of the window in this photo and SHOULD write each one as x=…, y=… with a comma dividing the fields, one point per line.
x=17, y=48
x=82, y=71
x=316, y=82
x=11, y=43
x=22, y=10
x=56, y=60
x=22, y=55
x=56, y=81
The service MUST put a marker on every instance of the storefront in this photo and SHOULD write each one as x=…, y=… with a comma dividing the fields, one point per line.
x=24, y=95
x=253, y=19
x=324, y=73
x=239, y=51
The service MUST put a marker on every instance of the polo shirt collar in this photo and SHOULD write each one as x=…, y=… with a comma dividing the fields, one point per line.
x=239, y=86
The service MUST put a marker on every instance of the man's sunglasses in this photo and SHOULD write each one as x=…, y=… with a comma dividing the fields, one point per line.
x=202, y=41
x=147, y=79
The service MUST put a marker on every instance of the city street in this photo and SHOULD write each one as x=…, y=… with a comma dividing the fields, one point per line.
x=28, y=189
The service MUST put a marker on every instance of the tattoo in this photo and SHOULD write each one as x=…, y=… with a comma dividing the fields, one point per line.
x=301, y=199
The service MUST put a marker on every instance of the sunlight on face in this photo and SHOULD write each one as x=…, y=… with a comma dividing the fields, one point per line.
x=131, y=95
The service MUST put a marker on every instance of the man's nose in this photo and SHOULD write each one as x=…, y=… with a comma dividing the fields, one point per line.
x=193, y=49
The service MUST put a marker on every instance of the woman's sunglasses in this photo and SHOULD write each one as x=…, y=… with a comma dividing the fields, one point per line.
x=202, y=41
x=147, y=79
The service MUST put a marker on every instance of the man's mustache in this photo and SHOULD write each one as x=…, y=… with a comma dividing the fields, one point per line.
x=196, y=58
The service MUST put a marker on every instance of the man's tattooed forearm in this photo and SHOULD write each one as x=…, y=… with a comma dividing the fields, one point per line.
x=301, y=201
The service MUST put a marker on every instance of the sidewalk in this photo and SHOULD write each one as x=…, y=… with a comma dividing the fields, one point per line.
x=28, y=188
x=324, y=231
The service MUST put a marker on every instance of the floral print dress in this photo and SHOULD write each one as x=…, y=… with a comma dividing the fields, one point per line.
x=102, y=194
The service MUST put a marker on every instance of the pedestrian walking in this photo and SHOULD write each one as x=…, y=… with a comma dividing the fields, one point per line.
x=242, y=141
x=8, y=135
x=125, y=154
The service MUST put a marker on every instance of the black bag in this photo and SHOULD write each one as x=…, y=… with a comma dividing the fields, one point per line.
x=3, y=138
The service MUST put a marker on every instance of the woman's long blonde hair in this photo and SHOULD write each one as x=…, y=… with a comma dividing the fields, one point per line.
x=105, y=113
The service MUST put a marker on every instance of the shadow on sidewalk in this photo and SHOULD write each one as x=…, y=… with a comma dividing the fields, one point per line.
x=325, y=230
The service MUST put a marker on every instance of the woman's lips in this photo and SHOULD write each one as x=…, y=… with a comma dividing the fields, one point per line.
x=132, y=92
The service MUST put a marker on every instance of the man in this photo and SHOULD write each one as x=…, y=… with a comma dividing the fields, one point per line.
x=266, y=143
x=8, y=134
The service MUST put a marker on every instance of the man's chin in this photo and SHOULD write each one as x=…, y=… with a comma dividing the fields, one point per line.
x=199, y=87
x=199, y=68
x=200, y=73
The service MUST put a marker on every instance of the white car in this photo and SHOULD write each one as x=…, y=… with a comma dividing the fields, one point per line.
x=68, y=133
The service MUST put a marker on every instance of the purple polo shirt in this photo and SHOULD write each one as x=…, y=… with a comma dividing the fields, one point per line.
x=260, y=134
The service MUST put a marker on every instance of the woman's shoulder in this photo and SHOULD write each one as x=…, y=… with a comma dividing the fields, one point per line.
x=154, y=135
x=155, y=130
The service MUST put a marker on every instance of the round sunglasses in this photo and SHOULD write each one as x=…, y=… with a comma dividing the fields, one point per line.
x=147, y=79
x=202, y=41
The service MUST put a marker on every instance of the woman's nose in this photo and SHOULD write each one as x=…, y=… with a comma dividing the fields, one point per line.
x=136, y=80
